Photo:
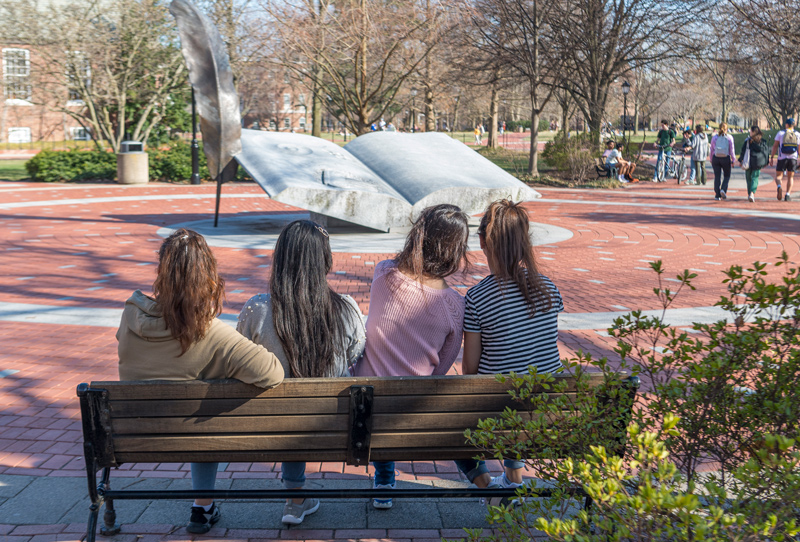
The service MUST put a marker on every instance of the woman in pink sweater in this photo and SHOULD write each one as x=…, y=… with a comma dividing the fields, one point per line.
x=415, y=322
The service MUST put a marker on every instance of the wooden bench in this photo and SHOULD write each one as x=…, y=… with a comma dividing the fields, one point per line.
x=352, y=420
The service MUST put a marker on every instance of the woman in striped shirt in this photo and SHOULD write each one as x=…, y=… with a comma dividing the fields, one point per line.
x=511, y=318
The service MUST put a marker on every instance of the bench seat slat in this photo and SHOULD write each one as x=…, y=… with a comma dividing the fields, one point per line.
x=311, y=387
x=412, y=404
x=285, y=441
x=333, y=456
x=297, y=424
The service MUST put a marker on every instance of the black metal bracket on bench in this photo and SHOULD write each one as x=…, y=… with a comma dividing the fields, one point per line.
x=359, y=431
x=98, y=453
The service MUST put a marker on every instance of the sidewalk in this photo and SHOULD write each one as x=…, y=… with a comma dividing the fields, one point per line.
x=51, y=508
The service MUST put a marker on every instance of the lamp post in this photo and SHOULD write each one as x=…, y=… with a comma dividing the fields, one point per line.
x=626, y=88
x=413, y=110
x=195, y=179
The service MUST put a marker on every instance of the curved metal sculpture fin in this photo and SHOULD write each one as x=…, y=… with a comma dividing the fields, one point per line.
x=211, y=76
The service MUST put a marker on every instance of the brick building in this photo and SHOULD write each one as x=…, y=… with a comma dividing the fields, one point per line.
x=32, y=107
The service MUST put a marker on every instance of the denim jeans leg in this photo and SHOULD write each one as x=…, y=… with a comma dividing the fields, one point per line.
x=717, y=167
x=726, y=172
x=471, y=468
x=513, y=464
x=293, y=474
x=658, y=163
x=384, y=472
x=204, y=475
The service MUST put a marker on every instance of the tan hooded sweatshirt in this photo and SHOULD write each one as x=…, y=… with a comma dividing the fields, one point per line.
x=147, y=350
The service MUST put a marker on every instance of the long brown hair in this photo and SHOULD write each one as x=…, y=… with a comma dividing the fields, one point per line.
x=188, y=288
x=723, y=129
x=437, y=244
x=505, y=230
x=310, y=319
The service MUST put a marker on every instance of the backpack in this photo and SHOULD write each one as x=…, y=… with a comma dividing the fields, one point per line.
x=790, y=141
x=722, y=147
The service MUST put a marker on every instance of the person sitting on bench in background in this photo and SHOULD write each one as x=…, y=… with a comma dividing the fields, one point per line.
x=624, y=167
x=176, y=335
x=511, y=319
x=415, y=319
x=314, y=331
x=610, y=158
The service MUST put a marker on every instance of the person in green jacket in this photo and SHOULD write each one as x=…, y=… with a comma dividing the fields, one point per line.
x=759, y=157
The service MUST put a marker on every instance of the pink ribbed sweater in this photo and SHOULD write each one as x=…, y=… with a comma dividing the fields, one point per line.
x=412, y=330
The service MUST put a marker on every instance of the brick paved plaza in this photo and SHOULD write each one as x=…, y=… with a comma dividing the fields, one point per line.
x=72, y=254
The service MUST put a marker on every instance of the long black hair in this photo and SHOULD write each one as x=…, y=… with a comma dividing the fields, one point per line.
x=310, y=319
x=437, y=244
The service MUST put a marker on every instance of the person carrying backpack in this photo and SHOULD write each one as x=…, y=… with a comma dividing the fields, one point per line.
x=700, y=153
x=754, y=156
x=722, y=158
x=787, y=141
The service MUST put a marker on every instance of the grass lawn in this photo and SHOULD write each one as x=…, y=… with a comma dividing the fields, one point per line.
x=13, y=170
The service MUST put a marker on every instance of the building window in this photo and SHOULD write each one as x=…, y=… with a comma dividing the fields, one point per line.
x=79, y=74
x=272, y=125
x=301, y=98
x=302, y=124
x=17, y=74
x=287, y=101
x=19, y=135
x=80, y=134
x=287, y=123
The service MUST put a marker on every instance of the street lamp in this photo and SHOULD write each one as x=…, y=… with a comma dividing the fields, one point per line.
x=195, y=179
x=626, y=88
x=413, y=110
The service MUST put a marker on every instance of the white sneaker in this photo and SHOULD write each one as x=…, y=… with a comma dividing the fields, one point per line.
x=723, y=195
x=751, y=198
x=505, y=483
x=294, y=514
x=382, y=504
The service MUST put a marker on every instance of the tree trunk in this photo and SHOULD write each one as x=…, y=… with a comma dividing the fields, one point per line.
x=430, y=114
x=724, y=105
x=493, y=106
x=316, y=112
x=533, y=157
x=454, y=127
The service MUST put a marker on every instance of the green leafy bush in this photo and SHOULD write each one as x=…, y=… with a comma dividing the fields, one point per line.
x=725, y=395
x=72, y=165
x=174, y=163
x=574, y=154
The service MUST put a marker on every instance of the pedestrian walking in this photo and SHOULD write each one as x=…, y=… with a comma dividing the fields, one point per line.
x=754, y=156
x=664, y=140
x=477, y=135
x=722, y=158
x=700, y=152
x=787, y=141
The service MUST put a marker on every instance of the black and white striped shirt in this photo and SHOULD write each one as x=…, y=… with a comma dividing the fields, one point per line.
x=512, y=339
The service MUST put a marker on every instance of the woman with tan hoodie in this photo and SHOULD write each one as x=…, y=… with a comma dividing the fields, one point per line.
x=176, y=335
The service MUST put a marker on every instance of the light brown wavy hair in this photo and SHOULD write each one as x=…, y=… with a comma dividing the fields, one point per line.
x=437, y=244
x=505, y=230
x=188, y=288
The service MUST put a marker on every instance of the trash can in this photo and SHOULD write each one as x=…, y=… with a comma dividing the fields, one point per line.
x=132, y=163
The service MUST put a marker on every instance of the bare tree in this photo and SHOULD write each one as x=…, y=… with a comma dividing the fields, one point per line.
x=518, y=34
x=359, y=53
x=605, y=39
x=774, y=79
x=119, y=61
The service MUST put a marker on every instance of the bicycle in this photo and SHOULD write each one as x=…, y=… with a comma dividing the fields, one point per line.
x=667, y=166
x=683, y=171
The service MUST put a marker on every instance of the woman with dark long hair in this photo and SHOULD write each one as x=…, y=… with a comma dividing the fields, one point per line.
x=757, y=152
x=511, y=320
x=314, y=331
x=415, y=319
x=176, y=335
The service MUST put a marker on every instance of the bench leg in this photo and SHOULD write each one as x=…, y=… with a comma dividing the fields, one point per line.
x=110, y=527
x=91, y=528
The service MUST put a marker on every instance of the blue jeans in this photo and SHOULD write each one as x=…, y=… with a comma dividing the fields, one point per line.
x=659, y=162
x=384, y=470
x=293, y=475
x=204, y=475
